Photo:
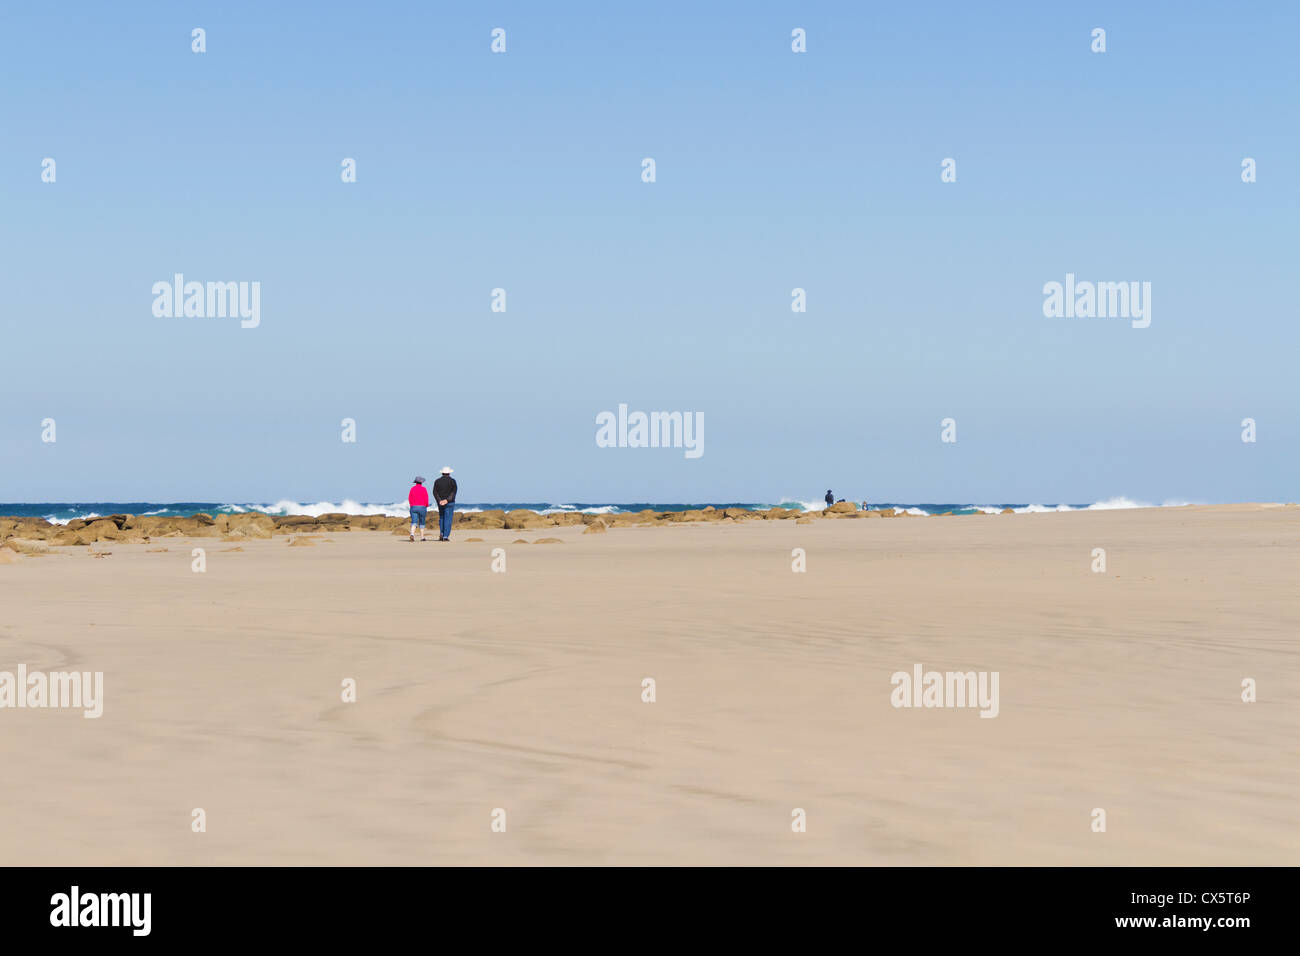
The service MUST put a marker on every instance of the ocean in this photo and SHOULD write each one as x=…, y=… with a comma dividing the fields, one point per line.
x=61, y=512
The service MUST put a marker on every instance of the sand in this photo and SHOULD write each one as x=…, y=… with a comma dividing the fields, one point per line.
x=522, y=691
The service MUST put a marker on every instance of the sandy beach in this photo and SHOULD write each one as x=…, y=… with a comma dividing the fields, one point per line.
x=521, y=690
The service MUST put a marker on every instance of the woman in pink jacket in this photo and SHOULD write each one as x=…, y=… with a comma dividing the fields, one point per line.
x=418, y=499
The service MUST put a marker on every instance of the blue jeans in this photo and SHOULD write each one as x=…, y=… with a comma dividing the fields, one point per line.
x=444, y=519
x=418, y=514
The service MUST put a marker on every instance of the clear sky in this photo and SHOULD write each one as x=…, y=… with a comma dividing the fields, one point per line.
x=775, y=170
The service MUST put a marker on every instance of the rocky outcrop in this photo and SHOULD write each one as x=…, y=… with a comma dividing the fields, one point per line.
x=249, y=526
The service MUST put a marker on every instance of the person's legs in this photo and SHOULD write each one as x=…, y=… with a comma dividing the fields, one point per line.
x=418, y=516
x=444, y=520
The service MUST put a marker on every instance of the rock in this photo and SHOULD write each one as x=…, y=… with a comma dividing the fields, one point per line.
x=773, y=514
x=521, y=518
x=468, y=540
x=596, y=527
x=27, y=546
x=292, y=521
x=32, y=529
x=566, y=518
x=377, y=522
x=803, y=520
x=250, y=525
x=548, y=541
x=1007, y=511
x=842, y=508
x=519, y=541
x=302, y=543
x=100, y=530
x=203, y=519
x=146, y=524
x=493, y=518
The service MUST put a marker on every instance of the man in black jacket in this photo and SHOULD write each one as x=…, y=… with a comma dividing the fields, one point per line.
x=444, y=492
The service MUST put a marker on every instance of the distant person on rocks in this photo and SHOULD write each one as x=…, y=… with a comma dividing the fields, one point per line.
x=830, y=498
x=444, y=491
x=418, y=500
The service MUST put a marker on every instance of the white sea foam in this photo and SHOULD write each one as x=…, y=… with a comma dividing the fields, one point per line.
x=1117, y=503
x=805, y=505
x=62, y=521
x=347, y=506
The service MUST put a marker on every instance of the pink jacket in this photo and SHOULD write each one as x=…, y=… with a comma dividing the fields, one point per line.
x=419, y=496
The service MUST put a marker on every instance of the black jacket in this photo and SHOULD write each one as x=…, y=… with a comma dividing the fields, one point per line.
x=445, y=487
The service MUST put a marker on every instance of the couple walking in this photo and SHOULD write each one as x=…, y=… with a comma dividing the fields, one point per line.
x=444, y=492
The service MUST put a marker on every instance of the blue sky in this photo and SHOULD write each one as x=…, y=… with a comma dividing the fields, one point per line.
x=775, y=170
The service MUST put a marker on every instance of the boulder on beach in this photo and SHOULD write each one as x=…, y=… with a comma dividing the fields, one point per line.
x=596, y=527
x=842, y=508
x=27, y=546
x=549, y=541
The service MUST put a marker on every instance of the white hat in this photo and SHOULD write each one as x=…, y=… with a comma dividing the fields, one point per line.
x=446, y=471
